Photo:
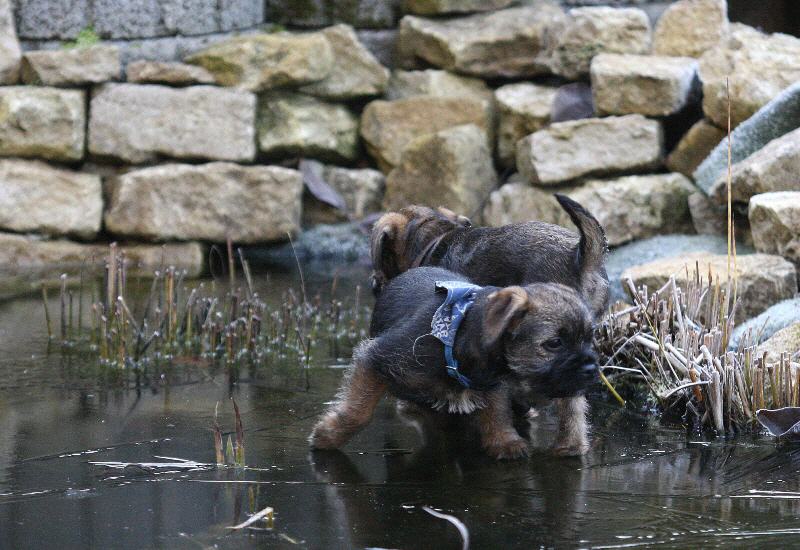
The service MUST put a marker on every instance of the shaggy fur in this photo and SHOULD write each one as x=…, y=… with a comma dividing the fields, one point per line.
x=538, y=336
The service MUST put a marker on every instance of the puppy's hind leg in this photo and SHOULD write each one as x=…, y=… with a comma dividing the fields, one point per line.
x=572, y=438
x=361, y=391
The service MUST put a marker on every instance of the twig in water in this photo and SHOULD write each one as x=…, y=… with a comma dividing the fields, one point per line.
x=462, y=529
x=266, y=513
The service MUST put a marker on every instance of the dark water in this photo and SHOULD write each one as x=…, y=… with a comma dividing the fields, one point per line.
x=642, y=485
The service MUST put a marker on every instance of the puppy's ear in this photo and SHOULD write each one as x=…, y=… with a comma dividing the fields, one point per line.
x=463, y=221
x=504, y=312
x=383, y=246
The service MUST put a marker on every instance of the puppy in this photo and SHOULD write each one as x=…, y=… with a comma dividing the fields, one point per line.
x=516, y=254
x=538, y=336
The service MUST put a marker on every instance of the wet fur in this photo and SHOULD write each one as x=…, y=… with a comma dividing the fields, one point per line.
x=499, y=347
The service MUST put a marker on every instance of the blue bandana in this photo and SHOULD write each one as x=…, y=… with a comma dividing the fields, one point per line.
x=446, y=320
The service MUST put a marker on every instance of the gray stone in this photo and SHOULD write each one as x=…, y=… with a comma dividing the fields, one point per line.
x=762, y=279
x=264, y=61
x=434, y=82
x=573, y=101
x=240, y=14
x=775, y=223
x=635, y=207
x=138, y=123
x=189, y=16
x=445, y=7
x=10, y=52
x=388, y=126
x=774, y=167
x=42, y=122
x=785, y=341
x=291, y=124
x=655, y=248
x=573, y=41
x=451, y=168
x=757, y=66
x=139, y=19
x=20, y=253
x=173, y=74
x=210, y=202
x=693, y=147
x=44, y=19
x=690, y=27
x=708, y=217
x=645, y=84
x=320, y=13
x=522, y=109
x=504, y=43
x=37, y=197
x=71, y=67
x=780, y=116
x=361, y=189
x=328, y=246
x=517, y=202
x=381, y=43
x=594, y=146
x=355, y=72
x=764, y=325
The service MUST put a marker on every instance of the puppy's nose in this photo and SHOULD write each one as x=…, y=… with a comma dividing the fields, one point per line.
x=589, y=370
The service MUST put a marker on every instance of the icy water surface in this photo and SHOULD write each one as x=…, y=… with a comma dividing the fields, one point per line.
x=642, y=485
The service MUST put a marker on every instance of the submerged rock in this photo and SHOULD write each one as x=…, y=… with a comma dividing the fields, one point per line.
x=42, y=122
x=500, y=44
x=763, y=279
x=573, y=41
x=38, y=197
x=690, y=27
x=775, y=223
x=522, y=109
x=210, y=202
x=644, y=84
x=565, y=151
x=780, y=116
x=173, y=74
x=72, y=67
x=451, y=168
x=764, y=325
x=388, y=126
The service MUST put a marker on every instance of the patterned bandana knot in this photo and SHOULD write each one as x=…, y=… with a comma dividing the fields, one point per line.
x=447, y=319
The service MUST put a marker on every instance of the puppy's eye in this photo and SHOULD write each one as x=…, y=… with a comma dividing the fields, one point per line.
x=553, y=344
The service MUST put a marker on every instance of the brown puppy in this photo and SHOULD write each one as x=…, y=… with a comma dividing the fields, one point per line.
x=538, y=336
x=516, y=254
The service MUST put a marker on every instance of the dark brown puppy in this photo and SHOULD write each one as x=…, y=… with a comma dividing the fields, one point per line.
x=516, y=254
x=538, y=336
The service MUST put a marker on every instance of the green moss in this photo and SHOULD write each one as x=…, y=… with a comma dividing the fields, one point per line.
x=87, y=37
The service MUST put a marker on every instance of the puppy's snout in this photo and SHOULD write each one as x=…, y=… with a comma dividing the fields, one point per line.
x=589, y=370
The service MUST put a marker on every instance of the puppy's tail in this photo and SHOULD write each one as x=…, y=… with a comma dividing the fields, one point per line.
x=592, y=248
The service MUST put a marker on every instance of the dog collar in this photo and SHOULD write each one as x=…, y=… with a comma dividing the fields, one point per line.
x=447, y=319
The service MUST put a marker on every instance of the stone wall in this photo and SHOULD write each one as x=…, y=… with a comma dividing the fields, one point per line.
x=196, y=121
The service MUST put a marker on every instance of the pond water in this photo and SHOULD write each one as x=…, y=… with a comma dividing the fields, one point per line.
x=641, y=485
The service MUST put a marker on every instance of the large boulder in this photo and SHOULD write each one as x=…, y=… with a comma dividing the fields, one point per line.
x=209, y=202
x=37, y=197
x=72, y=67
x=593, y=146
x=21, y=253
x=646, y=84
x=434, y=82
x=522, y=109
x=451, y=168
x=361, y=191
x=500, y=44
x=780, y=116
x=757, y=67
x=170, y=73
x=355, y=72
x=388, y=126
x=786, y=340
x=775, y=167
x=775, y=223
x=445, y=7
x=762, y=279
x=10, y=52
x=694, y=147
x=517, y=202
x=573, y=41
x=264, y=61
x=42, y=122
x=138, y=123
x=291, y=124
x=690, y=27
x=635, y=207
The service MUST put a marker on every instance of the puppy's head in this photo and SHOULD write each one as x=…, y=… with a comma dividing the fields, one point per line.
x=544, y=332
x=400, y=238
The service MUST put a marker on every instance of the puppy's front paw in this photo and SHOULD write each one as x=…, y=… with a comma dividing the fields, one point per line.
x=508, y=448
x=327, y=434
x=571, y=448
